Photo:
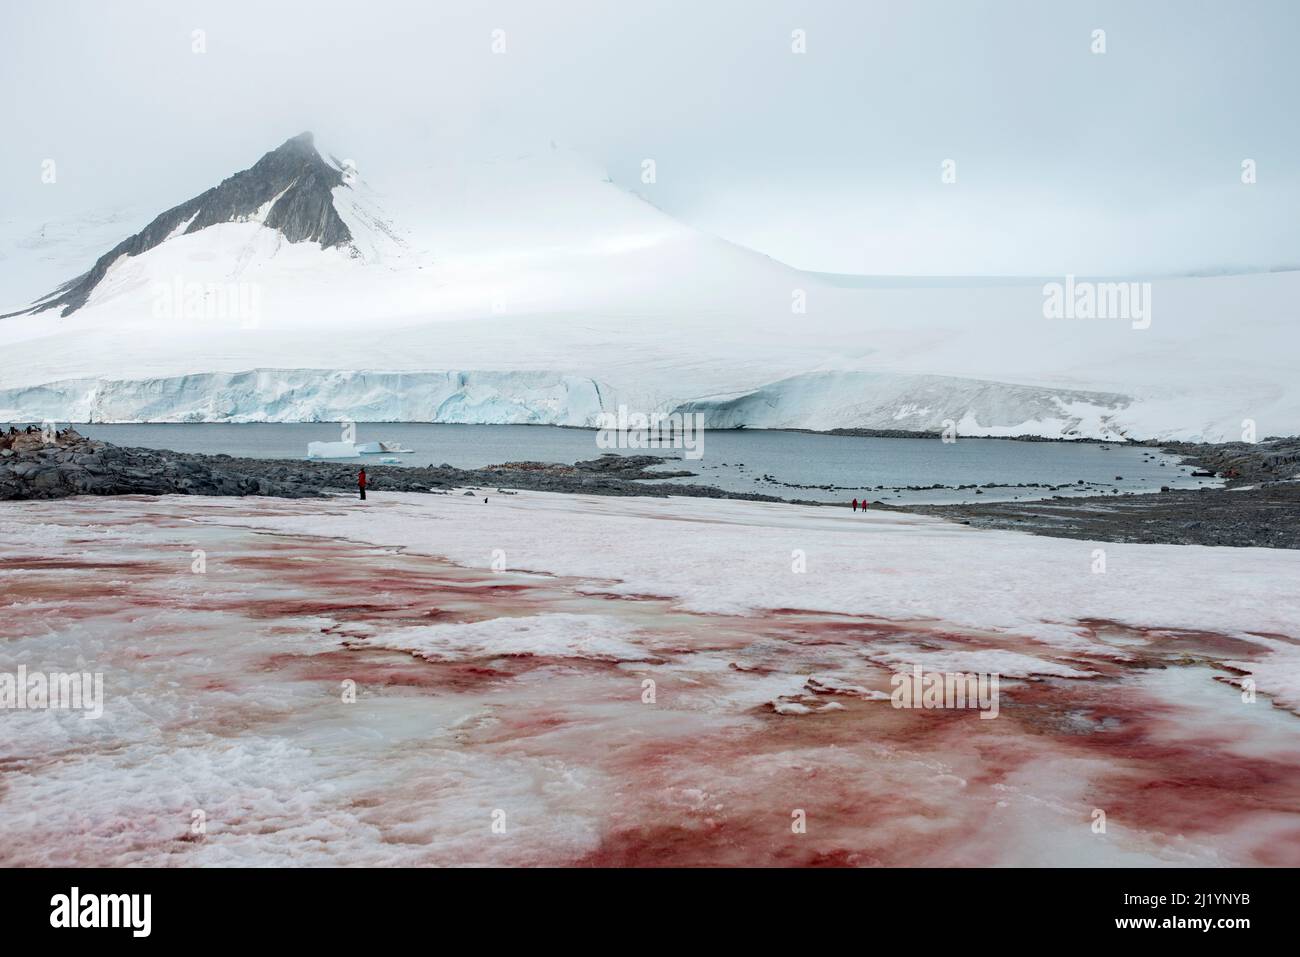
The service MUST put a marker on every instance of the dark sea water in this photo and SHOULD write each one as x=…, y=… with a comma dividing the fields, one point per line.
x=788, y=464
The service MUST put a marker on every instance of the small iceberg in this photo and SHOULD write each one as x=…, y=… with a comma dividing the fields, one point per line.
x=351, y=450
x=332, y=450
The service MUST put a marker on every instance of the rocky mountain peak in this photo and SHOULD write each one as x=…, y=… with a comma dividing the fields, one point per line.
x=293, y=178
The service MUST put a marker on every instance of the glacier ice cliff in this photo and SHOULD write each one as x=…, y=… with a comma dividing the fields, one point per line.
x=829, y=400
x=314, y=395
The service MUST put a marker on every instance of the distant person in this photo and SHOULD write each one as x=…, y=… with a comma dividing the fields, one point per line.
x=361, y=483
x=855, y=505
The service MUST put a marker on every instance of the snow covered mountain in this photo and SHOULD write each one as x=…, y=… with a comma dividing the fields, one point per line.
x=532, y=289
x=289, y=190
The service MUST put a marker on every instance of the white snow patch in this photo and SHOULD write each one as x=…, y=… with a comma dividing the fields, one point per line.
x=549, y=636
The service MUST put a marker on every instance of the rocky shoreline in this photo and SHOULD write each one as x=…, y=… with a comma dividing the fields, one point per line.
x=34, y=465
x=1259, y=506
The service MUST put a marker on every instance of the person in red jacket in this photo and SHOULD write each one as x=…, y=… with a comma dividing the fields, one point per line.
x=855, y=505
x=361, y=483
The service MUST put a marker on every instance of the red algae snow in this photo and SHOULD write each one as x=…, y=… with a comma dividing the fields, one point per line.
x=544, y=679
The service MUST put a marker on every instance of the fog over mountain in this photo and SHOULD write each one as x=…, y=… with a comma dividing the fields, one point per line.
x=1066, y=160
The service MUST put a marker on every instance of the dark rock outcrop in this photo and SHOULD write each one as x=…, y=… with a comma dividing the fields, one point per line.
x=293, y=175
x=31, y=467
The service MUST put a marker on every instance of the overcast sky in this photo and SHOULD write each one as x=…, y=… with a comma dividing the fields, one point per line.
x=1066, y=160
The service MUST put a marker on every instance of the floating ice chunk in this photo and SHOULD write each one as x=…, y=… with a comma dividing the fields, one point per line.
x=332, y=450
